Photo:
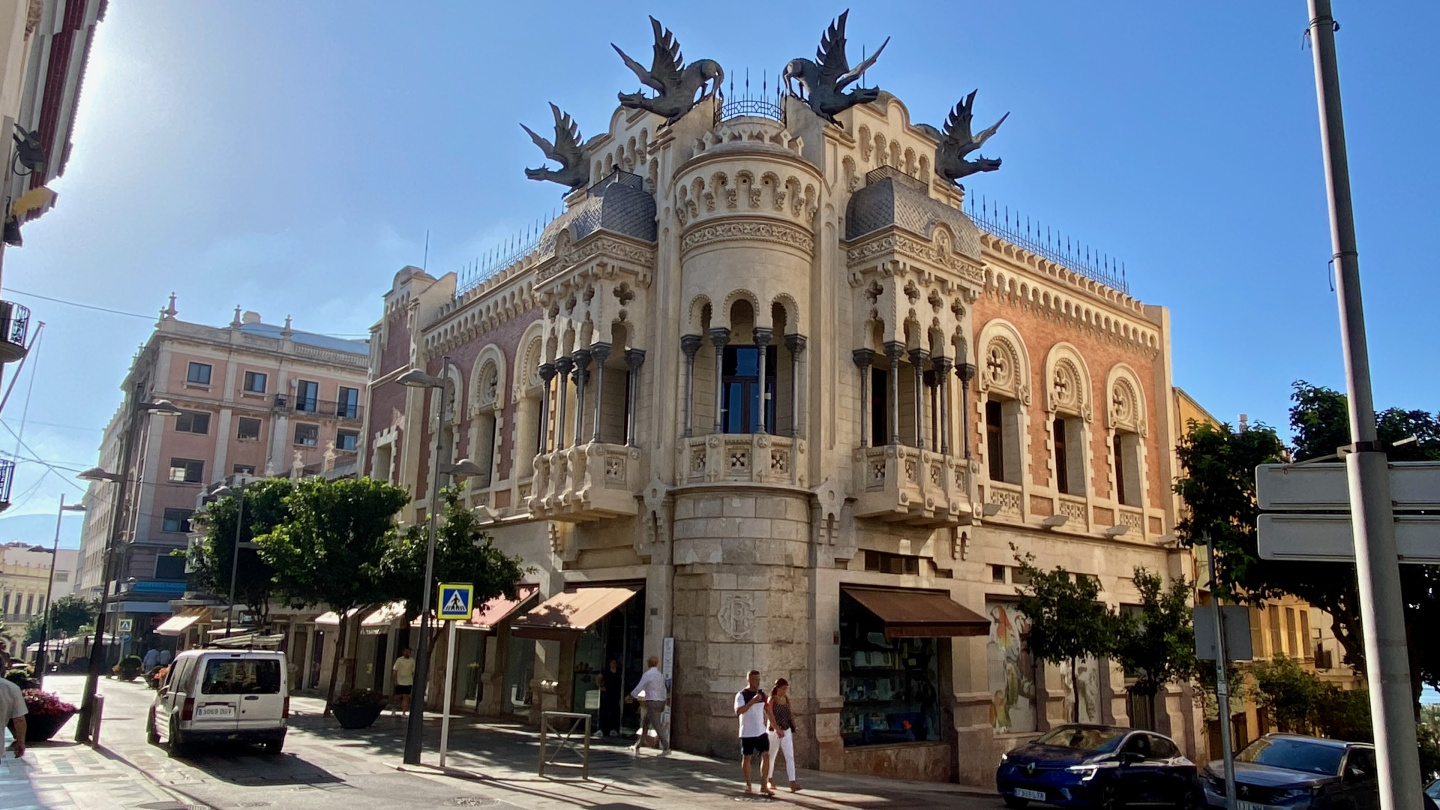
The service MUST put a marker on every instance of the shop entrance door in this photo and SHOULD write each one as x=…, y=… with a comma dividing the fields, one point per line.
x=617, y=639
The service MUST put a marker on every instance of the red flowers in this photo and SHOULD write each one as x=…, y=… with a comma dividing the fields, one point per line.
x=46, y=704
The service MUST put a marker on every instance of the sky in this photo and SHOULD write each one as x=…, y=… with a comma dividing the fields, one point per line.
x=291, y=157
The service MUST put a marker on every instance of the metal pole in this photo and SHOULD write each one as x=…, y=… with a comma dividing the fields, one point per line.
x=449, y=681
x=1382, y=612
x=235, y=557
x=1222, y=686
x=117, y=522
x=415, y=729
x=40, y=659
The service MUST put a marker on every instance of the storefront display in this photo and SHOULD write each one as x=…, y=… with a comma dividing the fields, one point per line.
x=890, y=685
x=619, y=637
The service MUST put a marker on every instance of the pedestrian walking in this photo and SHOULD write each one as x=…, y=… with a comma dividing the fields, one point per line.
x=750, y=707
x=612, y=690
x=151, y=659
x=652, y=687
x=12, y=712
x=403, y=671
x=782, y=733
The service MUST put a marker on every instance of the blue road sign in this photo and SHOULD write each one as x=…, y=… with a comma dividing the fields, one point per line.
x=456, y=601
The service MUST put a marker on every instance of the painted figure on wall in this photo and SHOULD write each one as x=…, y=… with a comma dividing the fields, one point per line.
x=1087, y=672
x=1012, y=672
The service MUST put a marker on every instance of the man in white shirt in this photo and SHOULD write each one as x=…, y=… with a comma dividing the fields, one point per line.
x=754, y=736
x=652, y=686
x=12, y=713
x=403, y=671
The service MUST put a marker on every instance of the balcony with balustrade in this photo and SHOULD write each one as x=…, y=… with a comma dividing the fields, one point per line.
x=901, y=484
x=322, y=408
x=749, y=458
x=588, y=482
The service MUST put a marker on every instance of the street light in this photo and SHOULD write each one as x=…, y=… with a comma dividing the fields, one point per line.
x=40, y=658
x=239, y=492
x=415, y=727
x=163, y=407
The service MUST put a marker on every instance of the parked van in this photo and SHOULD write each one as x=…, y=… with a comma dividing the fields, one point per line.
x=211, y=695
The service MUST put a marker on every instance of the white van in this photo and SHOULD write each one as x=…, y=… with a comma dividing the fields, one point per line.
x=211, y=695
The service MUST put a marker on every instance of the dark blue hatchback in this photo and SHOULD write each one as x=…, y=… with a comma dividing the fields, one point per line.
x=1099, y=766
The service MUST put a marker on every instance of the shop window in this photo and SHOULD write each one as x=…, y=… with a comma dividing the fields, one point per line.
x=307, y=435
x=177, y=520
x=891, y=686
x=1127, y=468
x=198, y=374
x=1012, y=670
x=186, y=471
x=255, y=382
x=1002, y=440
x=169, y=566
x=740, y=406
x=1069, y=456
x=347, y=440
x=887, y=563
x=247, y=429
x=193, y=422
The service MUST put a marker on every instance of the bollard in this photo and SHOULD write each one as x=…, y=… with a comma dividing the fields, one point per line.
x=95, y=720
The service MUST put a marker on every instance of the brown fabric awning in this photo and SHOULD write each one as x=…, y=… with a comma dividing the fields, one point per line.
x=922, y=614
x=180, y=622
x=564, y=615
x=493, y=613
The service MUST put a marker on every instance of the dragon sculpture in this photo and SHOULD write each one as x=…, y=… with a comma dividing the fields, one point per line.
x=824, y=80
x=956, y=142
x=674, y=82
x=566, y=150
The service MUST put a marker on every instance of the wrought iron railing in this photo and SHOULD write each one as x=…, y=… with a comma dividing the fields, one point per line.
x=1019, y=230
x=319, y=407
x=14, y=322
x=7, y=477
x=756, y=107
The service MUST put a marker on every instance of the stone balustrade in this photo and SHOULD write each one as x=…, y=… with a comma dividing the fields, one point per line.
x=758, y=458
x=898, y=483
x=589, y=482
x=1132, y=518
x=1007, y=497
x=1074, y=507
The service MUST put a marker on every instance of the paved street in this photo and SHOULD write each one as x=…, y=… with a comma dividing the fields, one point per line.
x=326, y=767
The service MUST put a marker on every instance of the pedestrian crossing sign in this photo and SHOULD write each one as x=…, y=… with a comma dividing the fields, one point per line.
x=126, y=625
x=456, y=601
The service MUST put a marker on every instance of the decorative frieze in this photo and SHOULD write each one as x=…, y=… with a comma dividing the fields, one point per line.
x=749, y=231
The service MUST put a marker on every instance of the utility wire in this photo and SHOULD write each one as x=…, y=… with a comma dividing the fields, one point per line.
x=152, y=317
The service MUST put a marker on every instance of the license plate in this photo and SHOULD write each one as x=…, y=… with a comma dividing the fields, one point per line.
x=1034, y=795
x=215, y=711
x=1253, y=806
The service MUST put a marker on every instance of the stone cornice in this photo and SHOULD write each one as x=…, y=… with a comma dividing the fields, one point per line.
x=748, y=230
x=604, y=245
x=894, y=241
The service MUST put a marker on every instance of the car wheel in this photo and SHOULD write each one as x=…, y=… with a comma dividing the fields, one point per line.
x=176, y=741
x=1108, y=798
x=1014, y=803
x=273, y=748
x=152, y=734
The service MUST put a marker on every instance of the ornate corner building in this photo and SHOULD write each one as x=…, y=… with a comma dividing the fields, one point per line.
x=766, y=395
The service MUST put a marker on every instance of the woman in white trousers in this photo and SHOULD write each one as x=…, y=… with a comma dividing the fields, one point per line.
x=782, y=733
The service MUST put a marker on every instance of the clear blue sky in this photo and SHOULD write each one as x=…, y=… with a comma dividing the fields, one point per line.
x=290, y=157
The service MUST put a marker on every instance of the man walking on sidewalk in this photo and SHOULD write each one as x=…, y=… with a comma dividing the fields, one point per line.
x=652, y=686
x=404, y=672
x=750, y=708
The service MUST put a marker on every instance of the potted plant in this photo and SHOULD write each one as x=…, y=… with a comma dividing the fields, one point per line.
x=358, y=709
x=45, y=714
x=129, y=667
x=20, y=676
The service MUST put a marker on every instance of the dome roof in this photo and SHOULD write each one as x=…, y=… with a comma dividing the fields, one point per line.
x=900, y=200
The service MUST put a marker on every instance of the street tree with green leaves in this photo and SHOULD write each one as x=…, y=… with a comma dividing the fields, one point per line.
x=330, y=552
x=1155, y=644
x=1068, y=621
x=211, y=558
x=67, y=615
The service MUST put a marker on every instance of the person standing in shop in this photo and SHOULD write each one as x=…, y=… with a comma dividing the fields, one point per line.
x=782, y=734
x=750, y=707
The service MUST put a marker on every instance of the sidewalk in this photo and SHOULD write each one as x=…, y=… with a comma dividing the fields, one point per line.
x=500, y=760
x=65, y=775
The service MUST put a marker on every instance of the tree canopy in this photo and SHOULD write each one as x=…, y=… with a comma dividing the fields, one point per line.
x=67, y=615
x=1155, y=644
x=211, y=558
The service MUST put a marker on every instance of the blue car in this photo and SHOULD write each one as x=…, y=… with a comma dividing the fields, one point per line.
x=1099, y=766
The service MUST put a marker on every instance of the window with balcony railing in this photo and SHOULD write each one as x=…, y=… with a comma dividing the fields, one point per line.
x=741, y=403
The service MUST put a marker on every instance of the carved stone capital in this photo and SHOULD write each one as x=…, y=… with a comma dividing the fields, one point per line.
x=720, y=336
x=864, y=358
x=795, y=343
x=763, y=336
x=635, y=358
x=690, y=344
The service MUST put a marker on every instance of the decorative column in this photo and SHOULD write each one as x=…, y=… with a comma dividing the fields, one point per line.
x=917, y=361
x=943, y=365
x=689, y=344
x=599, y=351
x=547, y=373
x=720, y=336
x=966, y=372
x=893, y=350
x=562, y=368
x=864, y=362
x=762, y=345
x=932, y=387
x=635, y=358
x=796, y=345
x=582, y=367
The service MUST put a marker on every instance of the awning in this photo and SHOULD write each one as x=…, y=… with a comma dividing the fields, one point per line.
x=494, y=613
x=375, y=621
x=924, y=614
x=180, y=622
x=562, y=616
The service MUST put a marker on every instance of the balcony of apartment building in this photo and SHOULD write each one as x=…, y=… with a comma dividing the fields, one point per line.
x=907, y=466
x=14, y=328
x=346, y=409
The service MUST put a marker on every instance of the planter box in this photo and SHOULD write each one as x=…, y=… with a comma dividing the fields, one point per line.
x=356, y=716
x=41, y=729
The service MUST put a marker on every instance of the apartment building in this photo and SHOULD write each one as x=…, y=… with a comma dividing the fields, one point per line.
x=254, y=399
x=25, y=586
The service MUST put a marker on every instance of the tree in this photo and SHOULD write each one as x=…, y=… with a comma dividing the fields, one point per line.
x=211, y=558
x=1067, y=619
x=1291, y=695
x=330, y=552
x=1218, y=486
x=1156, y=644
x=67, y=615
x=463, y=553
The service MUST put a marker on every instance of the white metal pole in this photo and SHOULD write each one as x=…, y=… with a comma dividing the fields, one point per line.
x=1382, y=611
x=1222, y=686
x=449, y=682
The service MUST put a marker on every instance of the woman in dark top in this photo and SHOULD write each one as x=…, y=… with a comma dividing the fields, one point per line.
x=611, y=691
x=782, y=733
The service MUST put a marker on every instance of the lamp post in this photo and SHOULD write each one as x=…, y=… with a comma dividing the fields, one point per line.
x=41, y=659
x=239, y=492
x=117, y=523
x=415, y=727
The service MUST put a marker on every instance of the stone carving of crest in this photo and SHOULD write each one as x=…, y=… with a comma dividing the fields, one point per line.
x=1000, y=370
x=737, y=615
x=1065, y=387
x=1123, y=410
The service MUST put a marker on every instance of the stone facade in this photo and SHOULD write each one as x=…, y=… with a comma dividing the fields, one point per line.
x=763, y=360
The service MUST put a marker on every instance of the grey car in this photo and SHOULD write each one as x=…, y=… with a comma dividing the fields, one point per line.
x=1297, y=773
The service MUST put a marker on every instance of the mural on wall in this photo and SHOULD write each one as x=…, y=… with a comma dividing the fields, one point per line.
x=1012, y=671
x=1087, y=672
